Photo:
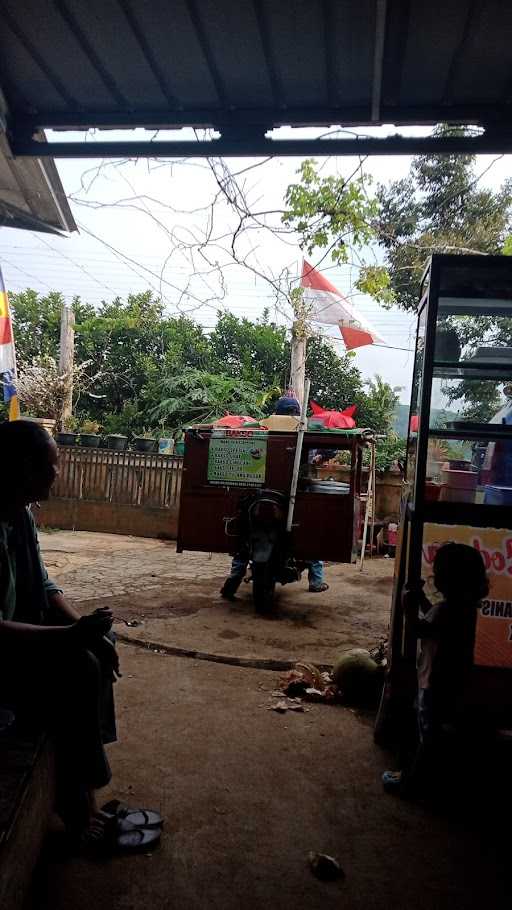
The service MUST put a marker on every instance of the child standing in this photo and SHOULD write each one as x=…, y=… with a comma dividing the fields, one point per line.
x=447, y=639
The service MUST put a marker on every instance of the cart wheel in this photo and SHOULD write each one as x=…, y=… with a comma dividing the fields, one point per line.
x=263, y=587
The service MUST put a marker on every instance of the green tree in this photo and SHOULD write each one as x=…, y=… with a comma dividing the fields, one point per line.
x=131, y=342
x=439, y=207
x=36, y=321
x=380, y=403
x=257, y=351
x=338, y=215
x=195, y=396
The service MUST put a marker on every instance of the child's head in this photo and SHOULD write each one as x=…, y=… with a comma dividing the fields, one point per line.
x=459, y=571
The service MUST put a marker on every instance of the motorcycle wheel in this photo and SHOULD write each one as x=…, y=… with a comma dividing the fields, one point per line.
x=263, y=587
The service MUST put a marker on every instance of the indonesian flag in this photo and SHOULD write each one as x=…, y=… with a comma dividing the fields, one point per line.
x=331, y=307
x=7, y=355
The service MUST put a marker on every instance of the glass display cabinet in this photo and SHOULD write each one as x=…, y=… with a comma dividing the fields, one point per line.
x=459, y=462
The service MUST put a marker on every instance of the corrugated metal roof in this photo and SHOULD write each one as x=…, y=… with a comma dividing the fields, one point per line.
x=31, y=194
x=230, y=64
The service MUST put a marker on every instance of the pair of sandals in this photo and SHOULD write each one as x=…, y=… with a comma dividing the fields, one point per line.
x=128, y=830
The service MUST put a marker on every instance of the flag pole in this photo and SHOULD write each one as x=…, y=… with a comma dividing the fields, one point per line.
x=298, y=356
x=8, y=368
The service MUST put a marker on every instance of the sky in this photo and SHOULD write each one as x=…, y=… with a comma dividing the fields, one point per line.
x=141, y=225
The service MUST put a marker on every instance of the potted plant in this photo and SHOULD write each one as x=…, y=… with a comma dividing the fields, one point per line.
x=146, y=442
x=116, y=441
x=68, y=436
x=90, y=434
x=179, y=444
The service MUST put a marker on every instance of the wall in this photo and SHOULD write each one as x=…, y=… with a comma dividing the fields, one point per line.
x=111, y=518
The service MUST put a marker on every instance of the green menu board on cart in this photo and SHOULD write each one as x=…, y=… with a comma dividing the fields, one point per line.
x=237, y=458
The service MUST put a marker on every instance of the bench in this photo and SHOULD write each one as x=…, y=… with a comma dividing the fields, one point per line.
x=27, y=795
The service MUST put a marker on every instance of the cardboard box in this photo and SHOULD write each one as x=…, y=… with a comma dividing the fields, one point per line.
x=282, y=423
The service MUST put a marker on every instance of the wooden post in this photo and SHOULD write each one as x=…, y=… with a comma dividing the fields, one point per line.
x=67, y=357
x=298, y=362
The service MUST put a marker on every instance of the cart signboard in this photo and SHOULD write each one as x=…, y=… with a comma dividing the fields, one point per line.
x=237, y=458
x=493, y=646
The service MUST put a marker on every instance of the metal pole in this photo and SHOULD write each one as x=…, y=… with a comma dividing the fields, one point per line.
x=298, y=453
x=369, y=495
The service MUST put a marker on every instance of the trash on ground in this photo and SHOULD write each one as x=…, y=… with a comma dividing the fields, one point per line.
x=133, y=623
x=325, y=867
x=308, y=682
x=287, y=704
x=356, y=678
x=280, y=706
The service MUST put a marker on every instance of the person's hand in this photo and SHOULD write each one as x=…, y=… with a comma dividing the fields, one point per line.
x=413, y=596
x=90, y=629
x=105, y=651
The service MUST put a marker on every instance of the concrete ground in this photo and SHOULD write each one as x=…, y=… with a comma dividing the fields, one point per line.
x=174, y=599
x=247, y=793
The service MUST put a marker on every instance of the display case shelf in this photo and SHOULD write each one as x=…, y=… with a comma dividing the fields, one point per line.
x=471, y=369
x=485, y=431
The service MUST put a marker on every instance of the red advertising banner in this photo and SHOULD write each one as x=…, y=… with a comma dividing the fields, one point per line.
x=494, y=629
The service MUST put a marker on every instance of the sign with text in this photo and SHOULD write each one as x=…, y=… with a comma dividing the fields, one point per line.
x=237, y=458
x=494, y=628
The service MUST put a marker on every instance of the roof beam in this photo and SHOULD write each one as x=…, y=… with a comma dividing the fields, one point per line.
x=266, y=117
x=378, y=58
x=108, y=80
x=254, y=143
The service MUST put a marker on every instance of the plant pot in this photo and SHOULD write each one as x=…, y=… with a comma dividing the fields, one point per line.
x=117, y=443
x=166, y=445
x=432, y=491
x=143, y=444
x=67, y=439
x=48, y=423
x=179, y=448
x=90, y=440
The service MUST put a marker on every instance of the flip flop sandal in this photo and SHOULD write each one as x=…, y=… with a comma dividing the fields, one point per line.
x=318, y=589
x=138, y=840
x=140, y=818
x=116, y=836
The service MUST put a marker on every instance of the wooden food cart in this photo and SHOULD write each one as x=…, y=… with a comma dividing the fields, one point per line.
x=222, y=466
x=459, y=469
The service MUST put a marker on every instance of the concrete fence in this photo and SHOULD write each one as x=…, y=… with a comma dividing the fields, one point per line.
x=116, y=492
x=134, y=493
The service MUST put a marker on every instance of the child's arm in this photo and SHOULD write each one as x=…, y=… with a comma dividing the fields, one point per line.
x=415, y=601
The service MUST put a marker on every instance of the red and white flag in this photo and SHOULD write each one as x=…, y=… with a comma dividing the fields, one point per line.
x=331, y=307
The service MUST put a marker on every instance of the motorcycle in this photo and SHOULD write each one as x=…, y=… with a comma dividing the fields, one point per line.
x=263, y=543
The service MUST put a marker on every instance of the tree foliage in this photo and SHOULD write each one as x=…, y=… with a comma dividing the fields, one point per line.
x=154, y=371
x=439, y=207
x=338, y=215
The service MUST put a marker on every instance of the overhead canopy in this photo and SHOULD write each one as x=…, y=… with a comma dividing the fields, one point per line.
x=31, y=194
x=244, y=67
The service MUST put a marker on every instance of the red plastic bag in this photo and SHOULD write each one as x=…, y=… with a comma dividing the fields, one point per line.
x=233, y=421
x=335, y=420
